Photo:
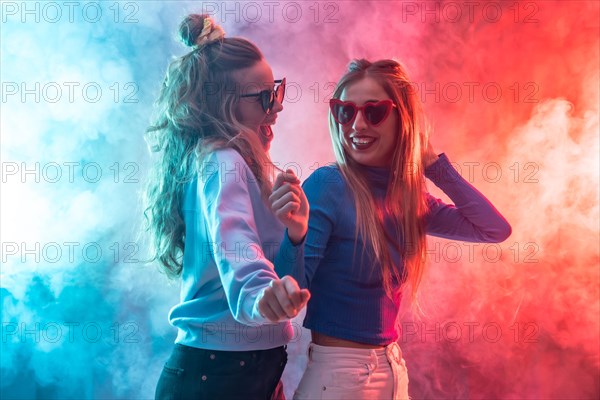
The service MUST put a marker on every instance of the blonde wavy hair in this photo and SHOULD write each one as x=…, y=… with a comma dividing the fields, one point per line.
x=196, y=114
x=405, y=201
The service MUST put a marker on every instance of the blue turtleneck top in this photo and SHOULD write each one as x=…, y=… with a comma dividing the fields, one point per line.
x=348, y=300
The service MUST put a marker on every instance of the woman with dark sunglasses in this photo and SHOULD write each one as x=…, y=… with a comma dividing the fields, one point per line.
x=217, y=220
x=366, y=245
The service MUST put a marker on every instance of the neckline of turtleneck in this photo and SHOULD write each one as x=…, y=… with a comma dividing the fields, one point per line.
x=379, y=176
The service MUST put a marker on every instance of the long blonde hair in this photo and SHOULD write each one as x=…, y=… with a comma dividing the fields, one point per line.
x=405, y=201
x=196, y=114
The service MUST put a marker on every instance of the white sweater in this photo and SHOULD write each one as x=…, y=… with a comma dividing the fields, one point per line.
x=232, y=240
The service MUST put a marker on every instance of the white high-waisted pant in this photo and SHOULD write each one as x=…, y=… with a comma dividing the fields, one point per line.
x=347, y=373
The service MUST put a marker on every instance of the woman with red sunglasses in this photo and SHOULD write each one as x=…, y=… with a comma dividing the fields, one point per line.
x=366, y=246
x=211, y=223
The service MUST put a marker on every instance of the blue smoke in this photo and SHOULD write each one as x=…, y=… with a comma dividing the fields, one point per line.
x=83, y=317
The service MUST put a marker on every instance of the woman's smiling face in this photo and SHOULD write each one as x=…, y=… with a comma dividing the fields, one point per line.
x=369, y=145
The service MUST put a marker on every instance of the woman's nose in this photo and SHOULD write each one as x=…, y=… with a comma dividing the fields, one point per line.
x=277, y=107
x=359, y=123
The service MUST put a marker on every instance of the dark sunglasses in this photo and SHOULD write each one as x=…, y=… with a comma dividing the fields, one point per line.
x=267, y=97
x=345, y=112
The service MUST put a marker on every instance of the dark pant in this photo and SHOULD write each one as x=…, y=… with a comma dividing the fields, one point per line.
x=192, y=373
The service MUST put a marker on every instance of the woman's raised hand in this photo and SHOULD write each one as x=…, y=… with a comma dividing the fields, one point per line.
x=290, y=205
x=430, y=156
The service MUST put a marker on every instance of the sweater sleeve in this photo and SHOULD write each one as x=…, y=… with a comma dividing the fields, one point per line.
x=290, y=257
x=227, y=207
x=472, y=218
x=320, y=189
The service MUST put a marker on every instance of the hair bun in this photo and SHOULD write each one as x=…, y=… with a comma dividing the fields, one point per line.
x=198, y=29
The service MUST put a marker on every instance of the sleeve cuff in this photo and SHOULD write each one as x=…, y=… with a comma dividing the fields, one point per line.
x=442, y=171
x=287, y=237
x=290, y=259
x=256, y=316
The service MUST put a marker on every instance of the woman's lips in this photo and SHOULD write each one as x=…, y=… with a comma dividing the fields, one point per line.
x=362, y=142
